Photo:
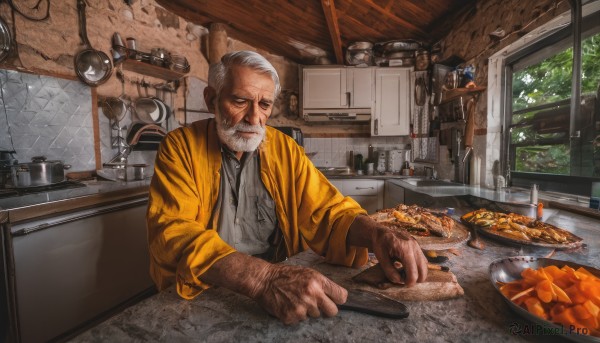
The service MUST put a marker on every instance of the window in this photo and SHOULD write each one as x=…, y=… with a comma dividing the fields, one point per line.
x=538, y=144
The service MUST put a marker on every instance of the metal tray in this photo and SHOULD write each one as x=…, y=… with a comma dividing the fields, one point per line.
x=509, y=269
x=578, y=241
x=488, y=232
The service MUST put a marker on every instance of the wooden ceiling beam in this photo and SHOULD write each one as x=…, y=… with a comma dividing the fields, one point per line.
x=334, y=29
x=399, y=21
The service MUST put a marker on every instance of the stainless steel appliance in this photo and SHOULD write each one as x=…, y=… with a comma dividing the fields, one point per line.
x=396, y=158
x=64, y=273
x=293, y=132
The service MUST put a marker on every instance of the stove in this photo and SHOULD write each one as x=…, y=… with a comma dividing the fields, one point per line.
x=15, y=192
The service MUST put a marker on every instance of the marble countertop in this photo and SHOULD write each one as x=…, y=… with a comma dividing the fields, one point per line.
x=481, y=315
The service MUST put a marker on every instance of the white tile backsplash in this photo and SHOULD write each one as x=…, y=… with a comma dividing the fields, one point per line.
x=334, y=152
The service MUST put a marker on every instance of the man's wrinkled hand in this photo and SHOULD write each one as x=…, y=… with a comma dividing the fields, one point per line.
x=390, y=246
x=293, y=293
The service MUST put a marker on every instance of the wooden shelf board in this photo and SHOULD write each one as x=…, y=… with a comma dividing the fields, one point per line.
x=151, y=70
x=452, y=94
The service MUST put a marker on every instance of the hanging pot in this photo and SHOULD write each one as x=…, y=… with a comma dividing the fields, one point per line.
x=5, y=40
x=92, y=66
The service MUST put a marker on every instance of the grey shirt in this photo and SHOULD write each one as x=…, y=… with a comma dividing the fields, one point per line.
x=246, y=210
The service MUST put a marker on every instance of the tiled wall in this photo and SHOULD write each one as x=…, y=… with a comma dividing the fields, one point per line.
x=46, y=116
x=334, y=152
x=52, y=117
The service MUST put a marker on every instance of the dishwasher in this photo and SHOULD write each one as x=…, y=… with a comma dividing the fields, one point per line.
x=65, y=272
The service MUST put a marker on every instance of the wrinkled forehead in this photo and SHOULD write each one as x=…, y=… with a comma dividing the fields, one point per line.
x=246, y=77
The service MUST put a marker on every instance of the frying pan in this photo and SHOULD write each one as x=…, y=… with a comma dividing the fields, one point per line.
x=92, y=66
x=5, y=40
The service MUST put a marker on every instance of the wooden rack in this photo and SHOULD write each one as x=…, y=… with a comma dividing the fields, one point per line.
x=453, y=94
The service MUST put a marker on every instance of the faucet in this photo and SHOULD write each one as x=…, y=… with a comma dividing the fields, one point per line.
x=430, y=172
x=120, y=160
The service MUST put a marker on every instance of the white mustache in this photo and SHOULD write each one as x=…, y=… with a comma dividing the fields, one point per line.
x=245, y=127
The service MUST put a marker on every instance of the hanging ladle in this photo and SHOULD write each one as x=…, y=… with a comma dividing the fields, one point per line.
x=92, y=66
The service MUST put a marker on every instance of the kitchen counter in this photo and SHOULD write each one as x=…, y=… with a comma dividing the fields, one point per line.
x=95, y=192
x=218, y=315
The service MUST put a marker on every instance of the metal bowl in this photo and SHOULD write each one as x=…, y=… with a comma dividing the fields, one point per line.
x=509, y=269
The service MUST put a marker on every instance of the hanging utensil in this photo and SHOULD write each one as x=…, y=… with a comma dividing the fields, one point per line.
x=92, y=66
x=115, y=109
x=145, y=107
x=5, y=40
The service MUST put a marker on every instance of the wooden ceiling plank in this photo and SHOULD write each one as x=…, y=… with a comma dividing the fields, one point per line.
x=399, y=21
x=334, y=29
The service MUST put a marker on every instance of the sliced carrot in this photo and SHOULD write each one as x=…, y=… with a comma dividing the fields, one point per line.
x=561, y=295
x=591, y=290
x=585, y=271
x=510, y=289
x=566, y=318
x=535, y=306
x=576, y=296
x=593, y=308
x=556, y=273
x=520, y=294
x=544, y=291
x=580, y=312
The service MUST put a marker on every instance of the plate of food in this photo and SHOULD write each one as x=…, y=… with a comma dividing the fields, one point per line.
x=518, y=229
x=434, y=230
x=561, y=296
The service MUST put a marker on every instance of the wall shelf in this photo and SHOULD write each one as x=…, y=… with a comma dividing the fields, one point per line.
x=151, y=70
x=455, y=93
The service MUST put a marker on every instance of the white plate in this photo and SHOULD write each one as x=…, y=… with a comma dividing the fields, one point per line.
x=509, y=269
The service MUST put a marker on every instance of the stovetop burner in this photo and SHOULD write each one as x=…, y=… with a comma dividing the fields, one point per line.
x=12, y=192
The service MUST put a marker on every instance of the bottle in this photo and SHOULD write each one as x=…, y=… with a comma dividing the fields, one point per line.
x=370, y=155
x=533, y=196
x=351, y=160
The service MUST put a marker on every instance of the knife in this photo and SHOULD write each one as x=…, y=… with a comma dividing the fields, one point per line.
x=364, y=301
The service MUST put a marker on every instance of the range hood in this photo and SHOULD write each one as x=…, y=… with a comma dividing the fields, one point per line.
x=332, y=116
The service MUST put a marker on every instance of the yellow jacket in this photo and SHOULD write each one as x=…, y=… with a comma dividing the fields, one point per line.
x=185, y=187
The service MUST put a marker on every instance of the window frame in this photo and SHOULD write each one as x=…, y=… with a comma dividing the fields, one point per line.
x=548, y=44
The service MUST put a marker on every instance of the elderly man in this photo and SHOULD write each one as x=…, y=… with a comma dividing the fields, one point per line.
x=230, y=196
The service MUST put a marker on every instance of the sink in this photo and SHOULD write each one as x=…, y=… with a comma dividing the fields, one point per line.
x=335, y=171
x=431, y=182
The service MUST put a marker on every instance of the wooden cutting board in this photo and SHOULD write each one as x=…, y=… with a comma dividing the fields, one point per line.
x=439, y=285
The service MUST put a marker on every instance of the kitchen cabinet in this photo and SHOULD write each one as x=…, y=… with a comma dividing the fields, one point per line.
x=366, y=192
x=359, y=85
x=393, y=102
x=76, y=267
x=393, y=195
x=337, y=88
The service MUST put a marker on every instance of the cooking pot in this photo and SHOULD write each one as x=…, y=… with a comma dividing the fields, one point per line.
x=39, y=172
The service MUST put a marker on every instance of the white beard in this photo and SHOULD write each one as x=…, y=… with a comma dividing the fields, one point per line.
x=230, y=137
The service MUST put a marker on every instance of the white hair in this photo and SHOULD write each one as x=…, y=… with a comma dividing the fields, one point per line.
x=218, y=72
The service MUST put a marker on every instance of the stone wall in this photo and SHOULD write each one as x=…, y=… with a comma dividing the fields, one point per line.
x=49, y=47
x=471, y=41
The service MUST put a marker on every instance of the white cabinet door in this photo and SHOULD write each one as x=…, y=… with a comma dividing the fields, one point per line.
x=393, y=99
x=324, y=88
x=360, y=87
x=367, y=193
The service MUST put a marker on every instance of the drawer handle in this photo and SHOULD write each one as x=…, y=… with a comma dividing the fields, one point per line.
x=365, y=188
